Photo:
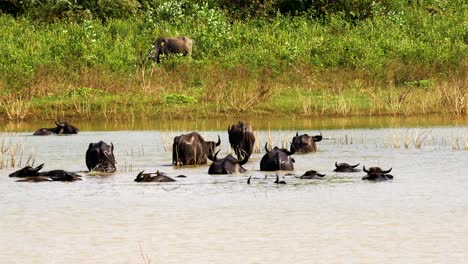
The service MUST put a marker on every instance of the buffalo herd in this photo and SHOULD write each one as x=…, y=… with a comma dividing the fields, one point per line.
x=193, y=149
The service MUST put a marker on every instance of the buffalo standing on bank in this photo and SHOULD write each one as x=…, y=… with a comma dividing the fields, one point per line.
x=228, y=165
x=242, y=139
x=63, y=128
x=171, y=45
x=192, y=149
x=277, y=159
x=377, y=174
x=100, y=157
x=305, y=143
x=30, y=174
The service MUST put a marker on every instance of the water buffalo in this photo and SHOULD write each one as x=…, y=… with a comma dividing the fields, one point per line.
x=171, y=45
x=312, y=174
x=228, y=165
x=277, y=159
x=100, y=157
x=242, y=139
x=153, y=177
x=29, y=173
x=345, y=167
x=377, y=174
x=192, y=149
x=305, y=143
x=62, y=128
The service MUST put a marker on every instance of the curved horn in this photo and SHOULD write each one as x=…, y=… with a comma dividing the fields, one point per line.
x=266, y=144
x=336, y=164
x=297, y=133
x=215, y=158
x=229, y=129
x=321, y=175
x=246, y=158
x=292, y=150
x=219, y=141
x=387, y=171
x=364, y=169
x=139, y=177
x=318, y=138
x=248, y=180
x=354, y=166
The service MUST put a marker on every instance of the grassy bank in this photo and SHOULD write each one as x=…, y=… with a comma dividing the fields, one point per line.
x=406, y=62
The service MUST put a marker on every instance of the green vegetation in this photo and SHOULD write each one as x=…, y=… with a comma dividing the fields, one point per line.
x=252, y=57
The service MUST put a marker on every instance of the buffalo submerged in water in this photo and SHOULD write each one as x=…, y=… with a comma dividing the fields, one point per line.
x=227, y=165
x=30, y=174
x=242, y=139
x=305, y=143
x=345, y=167
x=62, y=128
x=277, y=159
x=153, y=177
x=377, y=174
x=100, y=157
x=192, y=149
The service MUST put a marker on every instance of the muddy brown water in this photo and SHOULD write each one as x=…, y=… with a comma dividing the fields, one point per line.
x=419, y=217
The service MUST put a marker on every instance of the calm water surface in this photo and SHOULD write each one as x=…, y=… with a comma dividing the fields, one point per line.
x=419, y=217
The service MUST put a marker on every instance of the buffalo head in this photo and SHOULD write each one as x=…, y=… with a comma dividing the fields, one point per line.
x=377, y=174
x=345, y=167
x=311, y=174
x=305, y=143
x=27, y=171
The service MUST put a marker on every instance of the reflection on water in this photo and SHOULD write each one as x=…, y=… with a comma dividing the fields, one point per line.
x=419, y=217
x=260, y=123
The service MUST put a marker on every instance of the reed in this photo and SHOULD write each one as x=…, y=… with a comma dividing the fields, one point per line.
x=465, y=142
x=12, y=152
x=16, y=108
x=146, y=258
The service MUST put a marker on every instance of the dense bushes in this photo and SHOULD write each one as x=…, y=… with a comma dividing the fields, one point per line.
x=115, y=36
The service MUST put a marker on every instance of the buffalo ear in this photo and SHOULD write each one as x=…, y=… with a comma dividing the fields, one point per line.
x=318, y=138
x=90, y=145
